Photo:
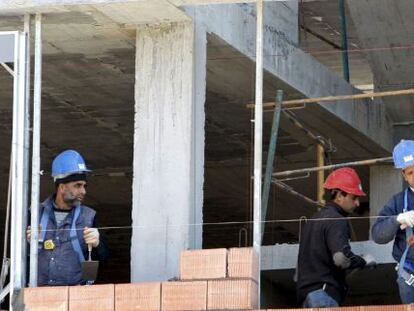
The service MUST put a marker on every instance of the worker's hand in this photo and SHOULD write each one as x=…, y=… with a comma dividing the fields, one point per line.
x=410, y=240
x=29, y=232
x=406, y=219
x=91, y=236
x=370, y=261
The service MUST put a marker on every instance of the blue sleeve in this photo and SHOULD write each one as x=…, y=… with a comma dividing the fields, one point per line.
x=385, y=228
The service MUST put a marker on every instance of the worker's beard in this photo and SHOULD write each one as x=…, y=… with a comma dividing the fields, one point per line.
x=70, y=199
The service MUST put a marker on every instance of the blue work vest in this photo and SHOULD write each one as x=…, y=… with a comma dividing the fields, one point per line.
x=62, y=265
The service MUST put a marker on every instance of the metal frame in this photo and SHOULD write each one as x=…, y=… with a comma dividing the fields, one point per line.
x=333, y=166
x=299, y=103
x=271, y=155
x=344, y=39
x=18, y=171
x=4, y=290
x=258, y=129
x=37, y=106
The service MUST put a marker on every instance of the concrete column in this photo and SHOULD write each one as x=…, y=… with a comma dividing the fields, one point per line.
x=384, y=182
x=169, y=137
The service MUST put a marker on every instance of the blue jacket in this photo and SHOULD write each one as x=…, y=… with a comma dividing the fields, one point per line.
x=386, y=229
x=61, y=266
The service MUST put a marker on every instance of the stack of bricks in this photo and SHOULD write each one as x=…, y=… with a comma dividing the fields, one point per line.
x=214, y=279
x=223, y=280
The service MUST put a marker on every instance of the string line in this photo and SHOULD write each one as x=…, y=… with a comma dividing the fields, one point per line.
x=231, y=223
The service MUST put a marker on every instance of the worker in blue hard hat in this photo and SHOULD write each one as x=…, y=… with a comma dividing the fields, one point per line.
x=399, y=224
x=67, y=226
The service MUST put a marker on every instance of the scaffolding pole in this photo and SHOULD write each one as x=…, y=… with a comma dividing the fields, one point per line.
x=27, y=131
x=320, y=152
x=37, y=107
x=317, y=138
x=331, y=99
x=258, y=128
x=344, y=39
x=333, y=166
x=290, y=190
x=271, y=156
x=19, y=188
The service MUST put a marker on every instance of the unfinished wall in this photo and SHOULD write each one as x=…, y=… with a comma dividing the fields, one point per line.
x=166, y=197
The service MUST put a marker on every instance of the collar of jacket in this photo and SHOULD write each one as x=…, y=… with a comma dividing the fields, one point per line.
x=335, y=206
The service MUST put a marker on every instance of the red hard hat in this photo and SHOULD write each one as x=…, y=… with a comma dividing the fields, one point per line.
x=345, y=179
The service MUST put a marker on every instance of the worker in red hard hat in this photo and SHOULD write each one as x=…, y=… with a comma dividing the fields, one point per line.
x=324, y=251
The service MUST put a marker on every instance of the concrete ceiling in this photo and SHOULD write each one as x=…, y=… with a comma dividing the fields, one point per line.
x=321, y=36
x=380, y=42
x=385, y=31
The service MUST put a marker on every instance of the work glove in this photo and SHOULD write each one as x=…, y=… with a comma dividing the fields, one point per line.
x=406, y=219
x=370, y=261
x=91, y=236
x=29, y=233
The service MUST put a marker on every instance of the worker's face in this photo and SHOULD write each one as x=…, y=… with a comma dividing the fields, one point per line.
x=348, y=202
x=73, y=192
x=408, y=174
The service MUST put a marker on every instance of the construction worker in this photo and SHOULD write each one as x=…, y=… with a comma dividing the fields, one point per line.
x=324, y=251
x=401, y=221
x=70, y=226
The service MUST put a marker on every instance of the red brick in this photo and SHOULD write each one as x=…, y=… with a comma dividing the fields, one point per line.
x=46, y=298
x=191, y=295
x=337, y=309
x=243, y=263
x=385, y=308
x=93, y=298
x=203, y=264
x=232, y=294
x=138, y=296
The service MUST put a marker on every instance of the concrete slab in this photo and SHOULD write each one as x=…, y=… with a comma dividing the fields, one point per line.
x=235, y=24
x=384, y=29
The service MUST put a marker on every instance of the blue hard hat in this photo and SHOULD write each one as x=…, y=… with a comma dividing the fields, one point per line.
x=67, y=163
x=403, y=154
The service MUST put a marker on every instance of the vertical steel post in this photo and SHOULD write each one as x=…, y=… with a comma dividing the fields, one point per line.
x=345, y=61
x=321, y=174
x=258, y=132
x=271, y=155
x=37, y=105
x=18, y=236
x=27, y=131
